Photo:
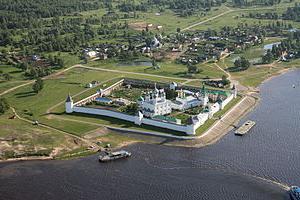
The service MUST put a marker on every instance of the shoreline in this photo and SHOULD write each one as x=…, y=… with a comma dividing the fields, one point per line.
x=48, y=158
x=211, y=138
x=200, y=142
x=247, y=111
x=279, y=73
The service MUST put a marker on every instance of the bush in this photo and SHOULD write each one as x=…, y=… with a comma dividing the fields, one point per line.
x=4, y=106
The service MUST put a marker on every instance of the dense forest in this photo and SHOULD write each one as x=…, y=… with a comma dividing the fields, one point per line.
x=244, y=3
x=291, y=13
x=38, y=26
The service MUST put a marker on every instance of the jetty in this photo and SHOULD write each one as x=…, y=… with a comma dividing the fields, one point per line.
x=245, y=128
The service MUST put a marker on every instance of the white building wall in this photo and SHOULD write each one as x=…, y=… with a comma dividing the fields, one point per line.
x=160, y=124
x=215, y=108
x=226, y=101
x=87, y=99
x=203, y=117
x=102, y=112
x=106, y=91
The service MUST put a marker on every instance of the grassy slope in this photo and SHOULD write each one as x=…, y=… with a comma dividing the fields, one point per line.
x=30, y=139
x=16, y=77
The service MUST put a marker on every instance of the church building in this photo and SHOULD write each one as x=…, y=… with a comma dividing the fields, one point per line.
x=155, y=103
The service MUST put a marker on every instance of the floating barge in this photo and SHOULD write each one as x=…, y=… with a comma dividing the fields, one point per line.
x=110, y=156
x=245, y=128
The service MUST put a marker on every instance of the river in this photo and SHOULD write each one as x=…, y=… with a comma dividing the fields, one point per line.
x=257, y=166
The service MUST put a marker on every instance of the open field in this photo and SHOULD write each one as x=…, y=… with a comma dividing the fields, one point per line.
x=19, y=138
x=168, y=19
x=34, y=106
x=16, y=77
x=167, y=68
x=234, y=17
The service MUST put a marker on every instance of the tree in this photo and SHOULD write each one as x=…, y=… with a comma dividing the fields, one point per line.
x=225, y=80
x=242, y=63
x=4, y=106
x=38, y=85
x=192, y=69
x=131, y=109
x=7, y=77
x=60, y=62
x=267, y=58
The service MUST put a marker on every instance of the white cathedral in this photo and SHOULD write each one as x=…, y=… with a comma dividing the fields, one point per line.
x=155, y=102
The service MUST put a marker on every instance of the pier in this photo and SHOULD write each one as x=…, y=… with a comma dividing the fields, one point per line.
x=245, y=128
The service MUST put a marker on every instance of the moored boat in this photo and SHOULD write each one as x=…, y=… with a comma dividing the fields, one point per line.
x=110, y=156
x=294, y=193
x=245, y=128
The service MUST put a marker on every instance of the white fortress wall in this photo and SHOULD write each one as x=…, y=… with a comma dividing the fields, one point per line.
x=160, y=124
x=106, y=91
x=87, y=99
x=215, y=108
x=203, y=117
x=226, y=101
x=102, y=112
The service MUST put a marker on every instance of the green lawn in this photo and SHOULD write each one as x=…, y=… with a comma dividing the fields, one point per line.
x=34, y=106
x=24, y=139
x=167, y=68
x=15, y=74
x=235, y=17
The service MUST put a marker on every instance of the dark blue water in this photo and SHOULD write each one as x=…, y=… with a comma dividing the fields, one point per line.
x=234, y=168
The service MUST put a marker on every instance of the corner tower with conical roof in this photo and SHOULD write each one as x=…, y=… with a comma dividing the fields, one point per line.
x=234, y=91
x=69, y=104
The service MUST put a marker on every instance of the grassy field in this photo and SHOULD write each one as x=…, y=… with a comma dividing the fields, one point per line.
x=235, y=17
x=168, y=19
x=18, y=139
x=167, y=68
x=15, y=74
x=256, y=74
x=34, y=106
